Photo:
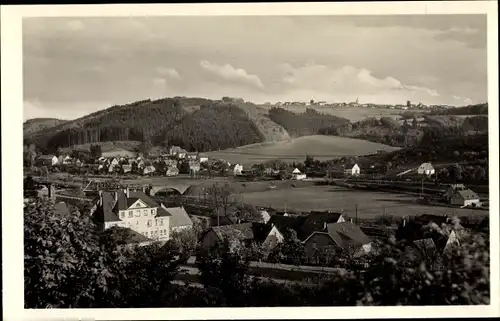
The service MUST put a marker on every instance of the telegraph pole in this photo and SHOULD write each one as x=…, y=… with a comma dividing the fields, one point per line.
x=356, y=213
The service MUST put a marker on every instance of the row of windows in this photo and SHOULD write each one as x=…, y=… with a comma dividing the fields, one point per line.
x=155, y=233
x=145, y=212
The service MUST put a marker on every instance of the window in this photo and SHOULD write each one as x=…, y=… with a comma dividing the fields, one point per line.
x=149, y=222
x=145, y=212
x=138, y=213
x=136, y=222
x=161, y=221
x=130, y=213
x=314, y=246
x=152, y=211
x=161, y=232
x=122, y=214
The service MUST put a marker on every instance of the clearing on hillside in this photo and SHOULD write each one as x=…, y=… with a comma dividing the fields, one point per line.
x=318, y=146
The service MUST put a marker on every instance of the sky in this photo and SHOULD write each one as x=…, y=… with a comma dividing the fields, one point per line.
x=75, y=66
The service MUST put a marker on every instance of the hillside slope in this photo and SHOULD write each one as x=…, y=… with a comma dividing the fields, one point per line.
x=260, y=116
x=319, y=146
x=192, y=123
x=36, y=124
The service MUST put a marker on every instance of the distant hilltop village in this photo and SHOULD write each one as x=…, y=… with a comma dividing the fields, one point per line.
x=356, y=103
x=324, y=104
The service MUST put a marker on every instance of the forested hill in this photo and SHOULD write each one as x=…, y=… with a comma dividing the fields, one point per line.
x=192, y=123
x=36, y=124
x=479, y=109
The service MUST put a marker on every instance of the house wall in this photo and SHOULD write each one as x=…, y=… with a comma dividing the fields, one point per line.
x=316, y=242
x=273, y=238
x=458, y=200
x=140, y=218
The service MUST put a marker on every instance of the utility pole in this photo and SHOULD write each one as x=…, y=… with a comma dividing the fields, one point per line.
x=356, y=213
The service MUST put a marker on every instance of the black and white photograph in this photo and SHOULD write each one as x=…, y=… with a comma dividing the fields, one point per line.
x=255, y=159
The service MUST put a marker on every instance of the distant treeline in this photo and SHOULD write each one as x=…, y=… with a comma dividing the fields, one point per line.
x=385, y=130
x=479, y=109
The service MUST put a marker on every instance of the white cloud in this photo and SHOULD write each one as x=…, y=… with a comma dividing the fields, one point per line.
x=467, y=101
x=456, y=97
x=170, y=72
x=349, y=82
x=232, y=74
x=160, y=82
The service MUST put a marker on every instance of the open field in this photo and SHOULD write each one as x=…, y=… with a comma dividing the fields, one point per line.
x=370, y=204
x=318, y=146
x=355, y=113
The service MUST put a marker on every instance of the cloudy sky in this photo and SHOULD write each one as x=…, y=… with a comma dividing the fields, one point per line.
x=74, y=66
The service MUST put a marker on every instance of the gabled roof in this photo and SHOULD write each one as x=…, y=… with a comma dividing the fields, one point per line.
x=315, y=222
x=245, y=231
x=179, y=217
x=143, y=197
x=348, y=233
x=296, y=171
x=426, y=166
x=467, y=194
x=104, y=212
x=283, y=223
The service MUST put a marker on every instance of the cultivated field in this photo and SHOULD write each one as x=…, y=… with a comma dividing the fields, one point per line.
x=318, y=146
x=370, y=204
x=354, y=113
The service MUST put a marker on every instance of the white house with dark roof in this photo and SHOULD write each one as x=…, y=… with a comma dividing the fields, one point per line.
x=426, y=169
x=465, y=197
x=134, y=210
x=352, y=170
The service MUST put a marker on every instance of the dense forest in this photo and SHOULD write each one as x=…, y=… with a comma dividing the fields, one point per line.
x=211, y=127
x=192, y=123
x=309, y=123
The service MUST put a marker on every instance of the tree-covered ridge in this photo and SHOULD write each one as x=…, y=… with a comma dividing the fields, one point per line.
x=384, y=130
x=212, y=127
x=192, y=123
x=308, y=123
x=478, y=109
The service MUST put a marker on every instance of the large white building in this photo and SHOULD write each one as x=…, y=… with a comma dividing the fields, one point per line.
x=134, y=210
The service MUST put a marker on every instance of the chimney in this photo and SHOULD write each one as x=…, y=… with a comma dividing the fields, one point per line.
x=127, y=192
x=100, y=197
x=404, y=222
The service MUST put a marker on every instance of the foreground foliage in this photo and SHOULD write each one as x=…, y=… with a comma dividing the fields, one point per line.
x=68, y=265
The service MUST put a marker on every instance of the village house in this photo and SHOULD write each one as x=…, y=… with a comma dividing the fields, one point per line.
x=172, y=171
x=340, y=237
x=194, y=167
x=114, y=161
x=192, y=156
x=67, y=160
x=431, y=232
x=237, y=170
x=242, y=234
x=203, y=160
x=149, y=170
x=465, y=197
x=297, y=175
x=426, y=169
x=178, y=152
x=127, y=168
x=134, y=210
x=179, y=219
x=47, y=160
x=352, y=170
